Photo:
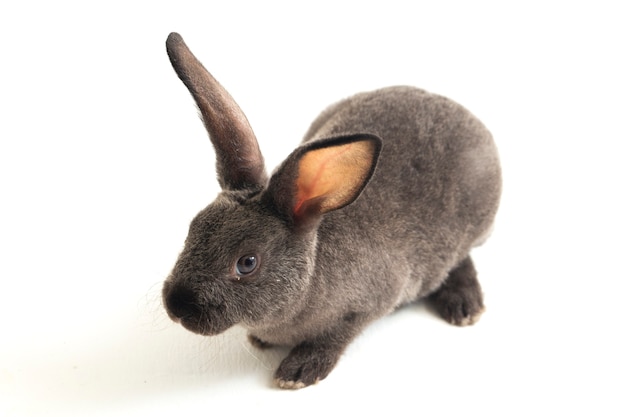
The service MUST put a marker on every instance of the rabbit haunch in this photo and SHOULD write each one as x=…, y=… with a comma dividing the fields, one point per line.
x=378, y=207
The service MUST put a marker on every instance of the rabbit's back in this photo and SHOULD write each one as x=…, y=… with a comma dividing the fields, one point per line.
x=435, y=191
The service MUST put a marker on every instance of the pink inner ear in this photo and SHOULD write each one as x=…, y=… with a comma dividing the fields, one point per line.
x=316, y=171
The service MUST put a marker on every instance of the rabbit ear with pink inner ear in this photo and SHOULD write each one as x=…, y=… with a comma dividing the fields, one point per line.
x=323, y=176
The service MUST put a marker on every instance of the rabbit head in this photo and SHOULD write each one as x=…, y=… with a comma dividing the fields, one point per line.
x=249, y=255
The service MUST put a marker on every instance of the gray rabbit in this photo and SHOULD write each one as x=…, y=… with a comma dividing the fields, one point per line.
x=379, y=207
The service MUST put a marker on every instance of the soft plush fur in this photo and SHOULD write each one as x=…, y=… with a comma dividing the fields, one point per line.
x=379, y=206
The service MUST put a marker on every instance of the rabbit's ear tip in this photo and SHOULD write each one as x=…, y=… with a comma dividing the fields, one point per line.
x=174, y=37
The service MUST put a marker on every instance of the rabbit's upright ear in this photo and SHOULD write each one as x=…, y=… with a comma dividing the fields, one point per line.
x=239, y=161
x=323, y=176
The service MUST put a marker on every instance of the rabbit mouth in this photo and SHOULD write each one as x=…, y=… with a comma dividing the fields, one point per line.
x=210, y=322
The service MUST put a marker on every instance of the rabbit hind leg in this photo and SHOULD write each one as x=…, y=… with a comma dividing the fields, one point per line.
x=459, y=300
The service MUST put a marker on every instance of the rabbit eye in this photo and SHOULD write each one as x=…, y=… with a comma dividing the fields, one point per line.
x=246, y=265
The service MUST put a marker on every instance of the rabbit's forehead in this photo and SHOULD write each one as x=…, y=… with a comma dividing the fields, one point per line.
x=233, y=225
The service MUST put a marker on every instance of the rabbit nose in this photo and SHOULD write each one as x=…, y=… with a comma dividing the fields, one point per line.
x=182, y=303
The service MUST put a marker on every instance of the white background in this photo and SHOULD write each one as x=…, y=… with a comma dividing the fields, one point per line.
x=103, y=162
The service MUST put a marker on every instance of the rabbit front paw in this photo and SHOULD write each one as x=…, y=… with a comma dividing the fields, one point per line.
x=306, y=365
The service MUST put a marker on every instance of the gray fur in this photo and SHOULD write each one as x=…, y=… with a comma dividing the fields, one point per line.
x=403, y=233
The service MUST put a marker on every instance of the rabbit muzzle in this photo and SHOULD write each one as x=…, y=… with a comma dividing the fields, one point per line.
x=184, y=306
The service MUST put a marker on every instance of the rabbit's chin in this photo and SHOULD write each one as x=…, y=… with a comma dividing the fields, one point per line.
x=205, y=328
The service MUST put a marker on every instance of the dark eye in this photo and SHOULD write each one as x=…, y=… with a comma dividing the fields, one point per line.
x=246, y=264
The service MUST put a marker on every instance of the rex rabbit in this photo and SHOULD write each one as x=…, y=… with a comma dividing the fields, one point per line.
x=378, y=207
